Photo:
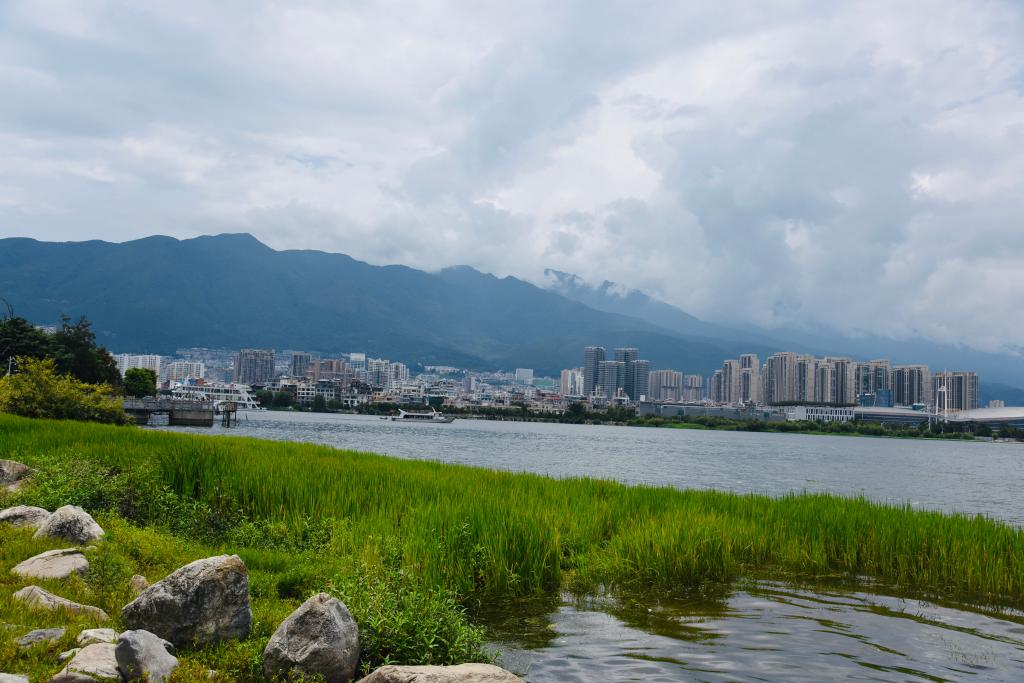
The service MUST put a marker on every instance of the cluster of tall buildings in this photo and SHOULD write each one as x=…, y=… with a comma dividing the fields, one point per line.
x=791, y=378
x=626, y=376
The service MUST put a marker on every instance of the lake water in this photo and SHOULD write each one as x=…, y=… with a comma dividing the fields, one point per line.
x=760, y=631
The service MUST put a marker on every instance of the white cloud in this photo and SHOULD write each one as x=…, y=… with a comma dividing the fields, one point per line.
x=857, y=165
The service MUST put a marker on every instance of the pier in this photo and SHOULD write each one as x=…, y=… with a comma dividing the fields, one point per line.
x=179, y=412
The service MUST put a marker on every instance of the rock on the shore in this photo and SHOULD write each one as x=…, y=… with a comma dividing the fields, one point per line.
x=36, y=598
x=13, y=474
x=320, y=637
x=71, y=677
x=71, y=523
x=144, y=656
x=13, y=678
x=138, y=583
x=203, y=602
x=41, y=635
x=24, y=515
x=96, y=635
x=463, y=673
x=68, y=654
x=95, y=660
x=53, y=564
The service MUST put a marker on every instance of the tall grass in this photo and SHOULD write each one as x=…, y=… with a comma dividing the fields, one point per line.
x=478, y=531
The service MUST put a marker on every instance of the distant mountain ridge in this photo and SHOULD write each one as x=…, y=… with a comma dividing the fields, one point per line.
x=229, y=291
x=158, y=294
x=997, y=371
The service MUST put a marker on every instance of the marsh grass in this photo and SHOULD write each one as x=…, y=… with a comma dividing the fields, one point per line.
x=478, y=531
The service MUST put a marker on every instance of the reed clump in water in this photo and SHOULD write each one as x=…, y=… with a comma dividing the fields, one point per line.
x=482, y=532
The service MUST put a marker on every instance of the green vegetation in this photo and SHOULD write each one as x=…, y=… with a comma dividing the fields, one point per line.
x=139, y=382
x=38, y=390
x=409, y=544
x=72, y=347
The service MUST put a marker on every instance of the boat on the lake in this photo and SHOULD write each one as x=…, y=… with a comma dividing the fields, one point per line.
x=432, y=416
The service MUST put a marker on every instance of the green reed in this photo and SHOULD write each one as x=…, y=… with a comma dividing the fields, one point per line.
x=479, y=531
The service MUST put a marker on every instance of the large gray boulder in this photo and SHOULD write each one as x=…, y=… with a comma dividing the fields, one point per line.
x=463, y=673
x=95, y=660
x=203, y=602
x=144, y=656
x=40, y=635
x=24, y=515
x=53, y=564
x=13, y=678
x=320, y=637
x=13, y=474
x=71, y=523
x=35, y=597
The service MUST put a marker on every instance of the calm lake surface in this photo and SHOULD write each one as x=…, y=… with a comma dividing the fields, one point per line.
x=757, y=631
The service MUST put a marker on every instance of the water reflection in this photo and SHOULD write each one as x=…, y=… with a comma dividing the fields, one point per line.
x=760, y=631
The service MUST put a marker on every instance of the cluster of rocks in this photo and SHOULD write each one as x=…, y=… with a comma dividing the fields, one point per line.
x=202, y=603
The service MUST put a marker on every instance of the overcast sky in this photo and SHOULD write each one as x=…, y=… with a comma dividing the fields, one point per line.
x=857, y=165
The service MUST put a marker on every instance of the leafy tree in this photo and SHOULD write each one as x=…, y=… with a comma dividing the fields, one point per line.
x=19, y=337
x=139, y=382
x=319, y=404
x=265, y=397
x=76, y=353
x=38, y=389
x=283, y=399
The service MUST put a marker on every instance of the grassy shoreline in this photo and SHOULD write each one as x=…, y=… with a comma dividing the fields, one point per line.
x=370, y=528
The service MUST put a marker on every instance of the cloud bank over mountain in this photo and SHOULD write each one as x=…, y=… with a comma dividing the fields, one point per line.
x=857, y=166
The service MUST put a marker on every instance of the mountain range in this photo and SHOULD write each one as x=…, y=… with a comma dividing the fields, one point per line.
x=158, y=294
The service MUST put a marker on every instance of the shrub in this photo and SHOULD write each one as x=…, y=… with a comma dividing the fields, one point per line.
x=38, y=390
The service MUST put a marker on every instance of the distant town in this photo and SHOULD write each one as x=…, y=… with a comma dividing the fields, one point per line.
x=785, y=386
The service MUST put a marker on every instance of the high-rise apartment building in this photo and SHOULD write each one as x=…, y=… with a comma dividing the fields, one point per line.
x=254, y=366
x=641, y=379
x=666, y=385
x=873, y=376
x=300, y=364
x=693, y=388
x=716, y=387
x=780, y=378
x=129, y=361
x=572, y=382
x=911, y=384
x=593, y=356
x=628, y=356
x=731, y=382
x=378, y=373
x=750, y=379
x=805, y=380
x=524, y=376
x=399, y=374
x=840, y=380
x=611, y=376
x=955, y=391
x=181, y=370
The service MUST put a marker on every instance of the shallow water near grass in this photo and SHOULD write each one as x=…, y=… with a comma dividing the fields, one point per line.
x=762, y=631
x=766, y=631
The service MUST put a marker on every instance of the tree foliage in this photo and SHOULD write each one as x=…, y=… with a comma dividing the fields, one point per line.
x=39, y=389
x=139, y=382
x=72, y=347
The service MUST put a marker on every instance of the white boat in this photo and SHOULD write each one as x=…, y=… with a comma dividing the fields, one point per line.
x=217, y=392
x=432, y=416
